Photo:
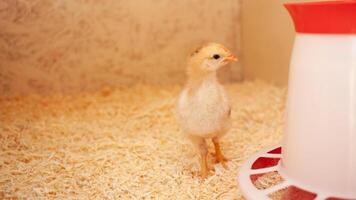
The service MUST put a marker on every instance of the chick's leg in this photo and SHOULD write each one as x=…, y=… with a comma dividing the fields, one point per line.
x=203, y=163
x=202, y=147
x=220, y=158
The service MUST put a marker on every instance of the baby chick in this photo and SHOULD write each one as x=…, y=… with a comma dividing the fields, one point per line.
x=203, y=109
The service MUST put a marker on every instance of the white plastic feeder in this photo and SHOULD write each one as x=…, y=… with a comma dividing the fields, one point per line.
x=317, y=159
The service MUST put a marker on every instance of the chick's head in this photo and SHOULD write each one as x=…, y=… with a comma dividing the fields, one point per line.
x=210, y=58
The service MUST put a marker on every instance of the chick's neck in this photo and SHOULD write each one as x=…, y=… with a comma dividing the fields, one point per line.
x=197, y=79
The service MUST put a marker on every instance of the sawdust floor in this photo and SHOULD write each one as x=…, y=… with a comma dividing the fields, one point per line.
x=125, y=144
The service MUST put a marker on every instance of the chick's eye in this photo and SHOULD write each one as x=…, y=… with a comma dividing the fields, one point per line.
x=216, y=56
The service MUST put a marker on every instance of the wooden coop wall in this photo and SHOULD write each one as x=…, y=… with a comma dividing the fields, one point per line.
x=61, y=46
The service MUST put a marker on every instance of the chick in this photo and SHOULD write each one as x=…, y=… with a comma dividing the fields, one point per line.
x=203, y=108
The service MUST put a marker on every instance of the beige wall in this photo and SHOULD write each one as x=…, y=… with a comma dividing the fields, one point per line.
x=51, y=46
x=267, y=39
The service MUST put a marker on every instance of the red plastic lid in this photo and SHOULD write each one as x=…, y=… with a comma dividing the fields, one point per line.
x=326, y=17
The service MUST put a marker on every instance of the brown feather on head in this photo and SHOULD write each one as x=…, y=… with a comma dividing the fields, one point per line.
x=197, y=50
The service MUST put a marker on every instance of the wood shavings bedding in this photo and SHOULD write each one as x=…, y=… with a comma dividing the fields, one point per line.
x=125, y=143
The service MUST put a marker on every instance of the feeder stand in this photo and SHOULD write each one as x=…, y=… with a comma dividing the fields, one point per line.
x=317, y=159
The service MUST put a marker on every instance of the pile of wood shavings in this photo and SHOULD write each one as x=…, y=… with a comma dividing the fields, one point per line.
x=125, y=144
x=268, y=180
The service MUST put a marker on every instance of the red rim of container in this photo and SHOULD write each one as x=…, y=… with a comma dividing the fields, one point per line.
x=324, y=17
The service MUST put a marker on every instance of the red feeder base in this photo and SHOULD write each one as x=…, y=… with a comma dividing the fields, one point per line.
x=263, y=164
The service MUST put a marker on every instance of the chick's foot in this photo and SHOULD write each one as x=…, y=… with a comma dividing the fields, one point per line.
x=219, y=156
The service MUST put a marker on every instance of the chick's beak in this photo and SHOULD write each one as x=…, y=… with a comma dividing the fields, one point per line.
x=231, y=58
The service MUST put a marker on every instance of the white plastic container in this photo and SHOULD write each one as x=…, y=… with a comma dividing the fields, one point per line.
x=319, y=147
